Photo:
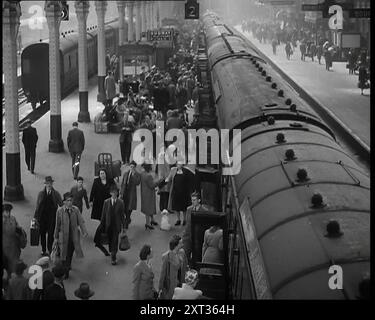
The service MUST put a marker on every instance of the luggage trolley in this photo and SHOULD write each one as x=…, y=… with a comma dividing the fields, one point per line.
x=113, y=168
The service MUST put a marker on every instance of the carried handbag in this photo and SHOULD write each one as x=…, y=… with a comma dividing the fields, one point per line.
x=124, y=243
x=34, y=233
x=104, y=238
x=56, y=253
x=22, y=237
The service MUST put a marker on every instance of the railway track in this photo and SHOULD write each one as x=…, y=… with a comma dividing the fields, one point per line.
x=342, y=132
x=21, y=99
x=33, y=116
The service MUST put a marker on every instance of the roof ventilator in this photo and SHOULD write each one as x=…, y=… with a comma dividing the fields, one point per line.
x=280, y=138
x=274, y=85
x=264, y=73
x=280, y=93
x=317, y=201
x=293, y=108
x=302, y=175
x=290, y=155
x=288, y=102
x=268, y=78
x=333, y=229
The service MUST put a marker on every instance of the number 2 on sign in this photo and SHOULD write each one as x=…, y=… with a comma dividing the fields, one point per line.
x=192, y=12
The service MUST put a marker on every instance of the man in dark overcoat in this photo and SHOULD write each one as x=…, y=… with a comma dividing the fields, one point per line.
x=126, y=138
x=113, y=221
x=45, y=213
x=29, y=140
x=186, y=235
x=128, y=193
x=76, y=144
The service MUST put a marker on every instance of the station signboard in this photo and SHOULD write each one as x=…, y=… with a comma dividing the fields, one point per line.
x=160, y=35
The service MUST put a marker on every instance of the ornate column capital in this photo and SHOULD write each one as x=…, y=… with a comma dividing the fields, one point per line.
x=82, y=8
x=53, y=13
x=121, y=6
x=11, y=11
x=100, y=6
x=11, y=15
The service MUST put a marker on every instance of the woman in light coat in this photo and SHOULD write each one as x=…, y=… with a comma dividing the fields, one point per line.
x=148, y=198
x=143, y=276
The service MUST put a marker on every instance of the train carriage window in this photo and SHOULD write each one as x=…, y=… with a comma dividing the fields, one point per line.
x=26, y=66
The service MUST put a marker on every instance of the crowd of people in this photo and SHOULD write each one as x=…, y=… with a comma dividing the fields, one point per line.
x=310, y=43
x=155, y=95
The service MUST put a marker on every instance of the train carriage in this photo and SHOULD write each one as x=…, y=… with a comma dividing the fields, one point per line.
x=35, y=67
x=300, y=204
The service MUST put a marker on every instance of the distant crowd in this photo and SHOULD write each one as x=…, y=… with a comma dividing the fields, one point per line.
x=310, y=43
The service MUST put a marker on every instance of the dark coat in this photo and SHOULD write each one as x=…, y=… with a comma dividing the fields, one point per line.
x=78, y=195
x=18, y=289
x=119, y=216
x=172, y=94
x=54, y=292
x=127, y=130
x=129, y=192
x=182, y=97
x=76, y=141
x=29, y=138
x=174, y=123
x=186, y=235
x=40, y=202
x=99, y=193
x=190, y=185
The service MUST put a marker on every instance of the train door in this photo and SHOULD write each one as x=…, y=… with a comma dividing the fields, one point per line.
x=208, y=260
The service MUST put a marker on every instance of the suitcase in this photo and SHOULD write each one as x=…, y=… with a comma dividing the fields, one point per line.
x=34, y=234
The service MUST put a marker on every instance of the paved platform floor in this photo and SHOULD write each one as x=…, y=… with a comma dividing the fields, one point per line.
x=335, y=89
x=108, y=282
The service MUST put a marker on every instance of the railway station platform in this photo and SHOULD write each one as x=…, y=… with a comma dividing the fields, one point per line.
x=335, y=90
x=109, y=282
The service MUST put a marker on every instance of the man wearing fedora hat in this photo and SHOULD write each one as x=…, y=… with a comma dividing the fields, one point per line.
x=131, y=179
x=45, y=213
x=113, y=220
x=56, y=290
x=67, y=234
x=84, y=292
x=29, y=140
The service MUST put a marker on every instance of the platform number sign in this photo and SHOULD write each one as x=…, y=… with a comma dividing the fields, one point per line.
x=192, y=10
x=64, y=11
